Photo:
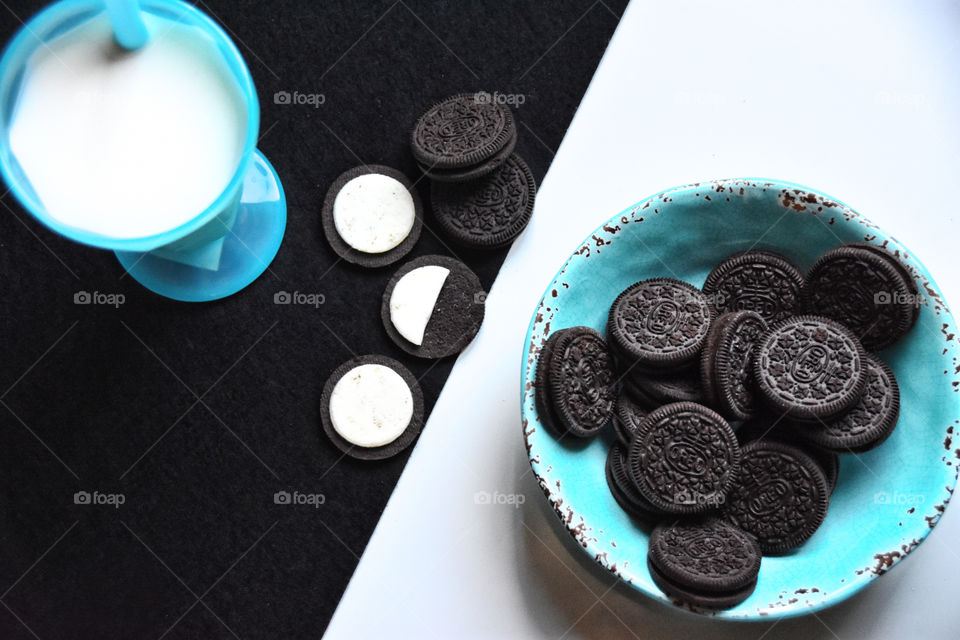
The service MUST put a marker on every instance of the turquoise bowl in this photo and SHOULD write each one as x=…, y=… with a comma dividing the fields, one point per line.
x=887, y=501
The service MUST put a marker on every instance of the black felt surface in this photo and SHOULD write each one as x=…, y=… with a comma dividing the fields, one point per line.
x=198, y=414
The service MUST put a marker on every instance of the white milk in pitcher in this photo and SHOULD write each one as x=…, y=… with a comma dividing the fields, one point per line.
x=128, y=144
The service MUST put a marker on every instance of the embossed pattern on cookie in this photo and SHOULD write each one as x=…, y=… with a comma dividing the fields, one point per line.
x=461, y=131
x=684, y=458
x=711, y=555
x=809, y=367
x=781, y=498
x=863, y=290
x=582, y=384
x=869, y=422
x=489, y=212
x=757, y=280
x=662, y=323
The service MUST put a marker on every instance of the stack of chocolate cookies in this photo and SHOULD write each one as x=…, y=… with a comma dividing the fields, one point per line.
x=482, y=193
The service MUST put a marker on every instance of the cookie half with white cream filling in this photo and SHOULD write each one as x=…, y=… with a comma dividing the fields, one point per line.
x=433, y=307
x=372, y=407
x=372, y=216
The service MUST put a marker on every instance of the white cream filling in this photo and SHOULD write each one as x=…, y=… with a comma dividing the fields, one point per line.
x=371, y=406
x=413, y=299
x=373, y=213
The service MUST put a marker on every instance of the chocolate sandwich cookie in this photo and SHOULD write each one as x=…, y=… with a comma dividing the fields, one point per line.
x=371, y=408
x=705, y=600
x=710, y=556
x=433, y=307
x=869, y=422
x=899, y=266
x=462, y=136
x=545, y=411
x=627, y=417
x=660, y=323
x=684, y=458
x=733, y=364
x=866, y=291
x=657, y=390
x=622, y=488
x=582, y=383
x=757, y=280
x=781, y=498
x=372, y=216
x=474, y=172
x=809, y=367
x=705, y=370
x=489, y=212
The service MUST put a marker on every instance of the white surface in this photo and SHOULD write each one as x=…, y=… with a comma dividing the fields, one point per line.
x=371, y=405
x=373, y=213
x=413, y=299
x=856, y=99
x=129, y=145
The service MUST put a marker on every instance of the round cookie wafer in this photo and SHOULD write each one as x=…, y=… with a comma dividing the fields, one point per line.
x=684, y=458
x=809, y=367
x=705, y=370
x=369, y=408
x=710, y=555
x=582, y=382
x=456, y=315
x=869, y=423
x=545, y=410
x=384, y=206
x=661, y=323
x=471, y=173
x=627, y=417
x=865, y=291
x=489, y=212
x=755, y=280
x=781, y=498
x=460, y=132
x=665, y=388
x=622, y=488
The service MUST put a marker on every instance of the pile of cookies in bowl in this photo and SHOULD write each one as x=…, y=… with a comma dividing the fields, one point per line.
x=731, y=404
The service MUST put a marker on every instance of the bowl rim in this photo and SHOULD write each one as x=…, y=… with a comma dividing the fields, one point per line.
x=554, y=495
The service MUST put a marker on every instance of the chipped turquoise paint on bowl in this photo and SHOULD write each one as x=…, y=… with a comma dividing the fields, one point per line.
x=887, y=500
